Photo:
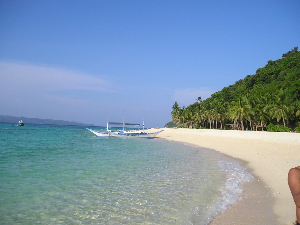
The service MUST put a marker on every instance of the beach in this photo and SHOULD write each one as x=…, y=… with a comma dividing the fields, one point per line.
x=267, y=155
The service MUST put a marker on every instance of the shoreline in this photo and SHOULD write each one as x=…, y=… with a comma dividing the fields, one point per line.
x=267, y=155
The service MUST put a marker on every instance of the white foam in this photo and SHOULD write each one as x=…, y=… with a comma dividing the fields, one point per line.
x=230, y=192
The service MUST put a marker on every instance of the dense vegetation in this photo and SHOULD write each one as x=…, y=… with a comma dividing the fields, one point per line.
x=170, y=125
x=270, y=96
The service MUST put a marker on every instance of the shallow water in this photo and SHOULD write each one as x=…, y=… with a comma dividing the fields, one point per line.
x=66, y=175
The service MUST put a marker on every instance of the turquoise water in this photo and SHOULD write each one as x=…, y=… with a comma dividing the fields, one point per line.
x=66, y=175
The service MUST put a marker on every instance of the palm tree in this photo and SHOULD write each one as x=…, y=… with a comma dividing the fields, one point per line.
x=212, y=117
x=208, y=115
x=261, y=106
x=183, y=116
x=279, y=109
x=176, y=113
x=241, y=111
x=221, y=111
x=201, y=117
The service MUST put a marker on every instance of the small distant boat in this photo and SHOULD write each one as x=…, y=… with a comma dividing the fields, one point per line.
x=21, y=123
x=123, y=133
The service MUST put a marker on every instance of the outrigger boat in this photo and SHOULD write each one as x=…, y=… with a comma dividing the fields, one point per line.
x=123, y=133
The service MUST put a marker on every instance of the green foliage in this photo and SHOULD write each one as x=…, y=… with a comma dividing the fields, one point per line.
x=197, y=126
x=170, y=125
x=277, y=128
x=297, y=129
x=271, y=95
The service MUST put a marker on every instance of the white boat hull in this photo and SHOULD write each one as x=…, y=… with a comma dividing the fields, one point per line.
x=125, y=134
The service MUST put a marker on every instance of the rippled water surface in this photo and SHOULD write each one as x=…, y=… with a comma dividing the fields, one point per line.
x=66, y=175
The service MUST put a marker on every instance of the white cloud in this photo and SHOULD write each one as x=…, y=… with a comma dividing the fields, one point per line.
x=23, y=76
x=188, y=96
x=37, y=91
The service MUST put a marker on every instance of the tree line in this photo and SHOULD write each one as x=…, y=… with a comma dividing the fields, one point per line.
x=270, y=96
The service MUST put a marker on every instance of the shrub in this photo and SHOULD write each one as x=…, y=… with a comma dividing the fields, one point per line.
x=197, y=126
x=277, y=128
x=297, y=129
x=170, y=125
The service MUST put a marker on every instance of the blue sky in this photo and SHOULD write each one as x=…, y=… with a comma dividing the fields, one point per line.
x=87, y=61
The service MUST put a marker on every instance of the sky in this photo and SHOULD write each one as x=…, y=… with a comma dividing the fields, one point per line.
x=91, y=61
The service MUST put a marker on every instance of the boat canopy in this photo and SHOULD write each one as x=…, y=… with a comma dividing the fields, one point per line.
x=129, y=124
x=123, y=123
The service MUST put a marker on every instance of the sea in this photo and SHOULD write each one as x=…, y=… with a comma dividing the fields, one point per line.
x=66, y=175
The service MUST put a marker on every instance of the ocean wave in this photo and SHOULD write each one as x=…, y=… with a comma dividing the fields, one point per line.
x=230, y=192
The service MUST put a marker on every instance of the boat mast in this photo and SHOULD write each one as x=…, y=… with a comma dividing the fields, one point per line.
x=123, y=121
x=143, y=124
x=107, y=124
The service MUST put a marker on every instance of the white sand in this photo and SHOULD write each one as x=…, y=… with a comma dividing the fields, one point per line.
x=269, y=156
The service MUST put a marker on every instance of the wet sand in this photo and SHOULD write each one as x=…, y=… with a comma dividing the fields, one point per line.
x=268, y=156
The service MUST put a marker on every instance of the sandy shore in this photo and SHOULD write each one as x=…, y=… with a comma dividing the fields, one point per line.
x=269, y=156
